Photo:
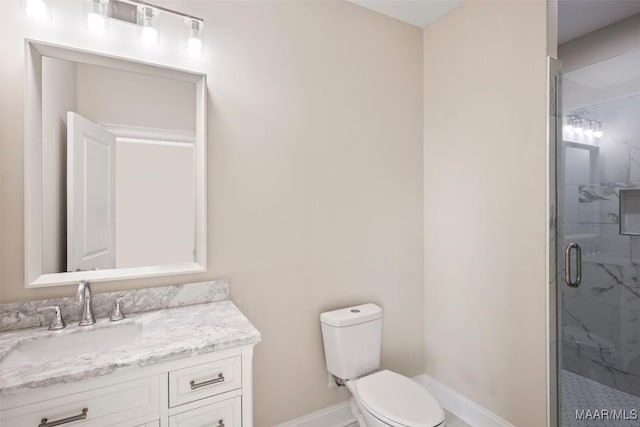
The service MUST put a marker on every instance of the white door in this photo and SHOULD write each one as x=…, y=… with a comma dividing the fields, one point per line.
x=91, y=234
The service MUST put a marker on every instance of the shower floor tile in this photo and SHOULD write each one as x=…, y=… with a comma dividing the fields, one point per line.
x=580, y=393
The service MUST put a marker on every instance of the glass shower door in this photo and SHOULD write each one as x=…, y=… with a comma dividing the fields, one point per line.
x=598, y=244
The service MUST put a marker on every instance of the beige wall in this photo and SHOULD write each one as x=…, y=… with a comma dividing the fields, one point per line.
x=485, y=205
x=315, y=174
x=108, y=95
x=59, y=95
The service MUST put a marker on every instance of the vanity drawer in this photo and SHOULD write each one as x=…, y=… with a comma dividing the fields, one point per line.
x=209, y=379
x=107, y=406
x=222, y=414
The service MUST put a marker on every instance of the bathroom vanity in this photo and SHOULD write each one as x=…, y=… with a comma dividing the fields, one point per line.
x=182, y=355
x=185, y=365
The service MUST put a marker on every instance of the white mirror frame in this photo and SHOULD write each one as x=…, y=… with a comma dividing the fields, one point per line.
x=34, y=277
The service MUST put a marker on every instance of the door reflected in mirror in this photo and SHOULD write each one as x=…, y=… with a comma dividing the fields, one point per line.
x=119, y=153
x=119, y=168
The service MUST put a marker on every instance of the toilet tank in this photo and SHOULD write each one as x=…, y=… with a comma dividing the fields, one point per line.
x=352, y=339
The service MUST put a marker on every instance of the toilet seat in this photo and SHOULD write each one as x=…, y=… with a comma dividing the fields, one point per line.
x=399, y=401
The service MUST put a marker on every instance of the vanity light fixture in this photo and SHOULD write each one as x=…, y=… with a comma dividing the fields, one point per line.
x=98, y=16
x=583, y=127
x=37, y=9
x=138, y=12
x=147, y=16
x=194, y=35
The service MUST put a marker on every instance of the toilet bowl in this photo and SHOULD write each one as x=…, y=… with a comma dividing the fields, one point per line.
x=352, y=340
x=390, y=399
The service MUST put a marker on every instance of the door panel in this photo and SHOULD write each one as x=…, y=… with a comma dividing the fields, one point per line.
x=598, y=260
x=90, y=195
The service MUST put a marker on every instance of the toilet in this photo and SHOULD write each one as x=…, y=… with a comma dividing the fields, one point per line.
x=352, y=339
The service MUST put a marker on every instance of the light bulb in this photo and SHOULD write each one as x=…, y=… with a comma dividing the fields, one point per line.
x=194, y=35
x=588, y=131
x=598, y=132
x=36, y=9
x=98, y=16
x=194, y=45
x=149, y=35
x=96, y=23
x=568, y=128
x=147, y=17
x=579, y=130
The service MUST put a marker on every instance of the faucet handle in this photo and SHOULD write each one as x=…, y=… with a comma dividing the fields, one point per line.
x=57, y=322
x=117, y=313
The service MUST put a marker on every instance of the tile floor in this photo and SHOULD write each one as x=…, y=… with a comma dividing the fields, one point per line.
x=580, y=393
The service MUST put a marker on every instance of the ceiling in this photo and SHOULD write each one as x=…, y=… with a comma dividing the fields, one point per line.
x=420, y=13
x=575, y=17
x=610, y=72
x=579, y=17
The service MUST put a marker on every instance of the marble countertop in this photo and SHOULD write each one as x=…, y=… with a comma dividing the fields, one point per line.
x=164, y=335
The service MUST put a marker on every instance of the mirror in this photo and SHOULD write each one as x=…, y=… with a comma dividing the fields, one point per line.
x=579, y=177
x=115, y=168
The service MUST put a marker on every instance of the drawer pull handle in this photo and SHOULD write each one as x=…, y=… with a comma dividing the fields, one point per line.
x=221, y=423
x=82, y=416
x=219, y=379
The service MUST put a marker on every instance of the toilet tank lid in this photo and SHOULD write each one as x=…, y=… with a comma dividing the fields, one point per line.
x=353, y=315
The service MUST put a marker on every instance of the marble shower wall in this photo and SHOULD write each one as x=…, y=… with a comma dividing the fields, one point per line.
x=601, y=318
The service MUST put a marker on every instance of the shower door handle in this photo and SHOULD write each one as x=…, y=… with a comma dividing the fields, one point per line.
x=567, y=265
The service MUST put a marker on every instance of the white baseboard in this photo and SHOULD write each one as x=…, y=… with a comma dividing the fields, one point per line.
x=334, y=416
x=461, y=406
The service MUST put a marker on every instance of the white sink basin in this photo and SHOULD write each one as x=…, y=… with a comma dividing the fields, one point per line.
x=54, y=347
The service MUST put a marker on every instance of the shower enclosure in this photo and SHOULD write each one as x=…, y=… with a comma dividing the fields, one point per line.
x=598, y=244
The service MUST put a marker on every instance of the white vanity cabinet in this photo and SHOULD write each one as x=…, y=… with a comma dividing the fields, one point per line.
x=212, y=390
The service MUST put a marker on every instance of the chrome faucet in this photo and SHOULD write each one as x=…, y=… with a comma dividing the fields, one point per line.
x=84, y=296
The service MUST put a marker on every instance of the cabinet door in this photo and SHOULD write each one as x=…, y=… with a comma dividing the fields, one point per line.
x=222, y=414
